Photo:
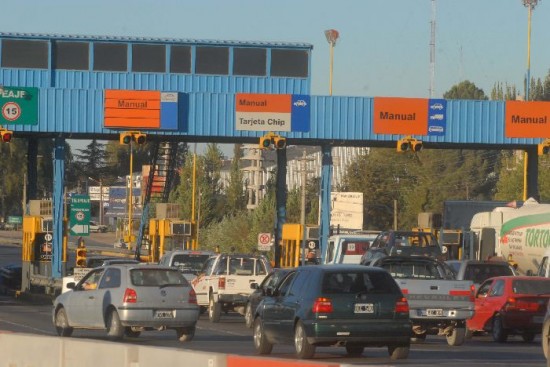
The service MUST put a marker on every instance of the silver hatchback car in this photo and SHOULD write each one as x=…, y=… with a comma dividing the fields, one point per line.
x=126, y=299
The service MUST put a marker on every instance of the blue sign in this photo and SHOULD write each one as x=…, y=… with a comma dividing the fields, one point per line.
x=300, y=112
x=437, y=117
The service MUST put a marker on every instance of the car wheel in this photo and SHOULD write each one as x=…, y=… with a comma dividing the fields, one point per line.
x=214, y=310
x=202, y=310
x=456, y=337
x=398, y=352
x=248, y=317
x=304, y=350
x=528, y=337
x=546, y=339
x=62, y=323
x=469, y=334
x=131, y=333
x=114, y=327
x=499, y=334
x=354, y=350
x=185, y=334
x=261, y=344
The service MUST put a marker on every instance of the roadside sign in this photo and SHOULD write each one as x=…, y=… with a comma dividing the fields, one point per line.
x=264, y=242
x=79, y=220
x=15, y=219
x=19, y=106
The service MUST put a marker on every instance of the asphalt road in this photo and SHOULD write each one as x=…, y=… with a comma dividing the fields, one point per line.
x=231, y=335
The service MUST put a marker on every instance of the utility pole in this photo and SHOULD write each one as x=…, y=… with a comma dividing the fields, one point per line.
x=303, y=171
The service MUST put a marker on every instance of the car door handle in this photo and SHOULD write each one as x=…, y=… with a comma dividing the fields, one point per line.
x=91, y=297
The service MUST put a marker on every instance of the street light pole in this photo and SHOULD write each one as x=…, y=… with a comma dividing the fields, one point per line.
x=530, y=4
x=130, y=199
x=332, y=36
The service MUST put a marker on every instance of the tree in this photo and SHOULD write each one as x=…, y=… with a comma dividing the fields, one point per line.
x=236, y=198
x=465, y=90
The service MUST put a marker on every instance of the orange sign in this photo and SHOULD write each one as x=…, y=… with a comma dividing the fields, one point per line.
x=400, y=116
x=132, y=109
x=527, y=119
x=263, y=102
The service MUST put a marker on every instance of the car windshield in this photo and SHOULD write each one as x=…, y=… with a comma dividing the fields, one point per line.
x=157, y=277
x=358, y=282
x=531, y=286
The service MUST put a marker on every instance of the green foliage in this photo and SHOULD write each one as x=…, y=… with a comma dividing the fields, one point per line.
x=465, y=90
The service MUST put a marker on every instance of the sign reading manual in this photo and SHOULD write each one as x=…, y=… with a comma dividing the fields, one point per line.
x=272, y=112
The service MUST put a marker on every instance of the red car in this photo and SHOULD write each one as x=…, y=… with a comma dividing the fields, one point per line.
x=511, y=305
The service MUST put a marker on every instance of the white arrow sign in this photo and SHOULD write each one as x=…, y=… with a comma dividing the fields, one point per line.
x=80, y=228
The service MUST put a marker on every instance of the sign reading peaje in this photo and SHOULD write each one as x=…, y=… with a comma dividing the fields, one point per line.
x=19, y=106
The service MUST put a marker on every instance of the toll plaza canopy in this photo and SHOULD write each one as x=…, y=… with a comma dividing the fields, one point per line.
x=84, y=87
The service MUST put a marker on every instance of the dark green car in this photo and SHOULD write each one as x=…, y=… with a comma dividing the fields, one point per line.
x=335, y=305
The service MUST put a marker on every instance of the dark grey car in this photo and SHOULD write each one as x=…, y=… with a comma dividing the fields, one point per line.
x=351, y=306
x=126, y=299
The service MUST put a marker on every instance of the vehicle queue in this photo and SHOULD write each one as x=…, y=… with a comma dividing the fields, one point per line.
x=342, y=305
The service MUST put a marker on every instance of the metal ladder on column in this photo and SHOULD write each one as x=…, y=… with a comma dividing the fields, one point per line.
x=157, y=188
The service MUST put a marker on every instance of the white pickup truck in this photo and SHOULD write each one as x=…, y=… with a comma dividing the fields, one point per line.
x=224, y=282
x=438, y=304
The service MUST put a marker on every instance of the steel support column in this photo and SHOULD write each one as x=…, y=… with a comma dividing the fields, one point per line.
x=58, y=212
x=532, y=173
x=280, y=197
x=326, y=188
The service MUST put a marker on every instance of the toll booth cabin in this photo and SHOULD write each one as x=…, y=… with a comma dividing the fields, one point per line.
x=291, y=247
x=38, y=246
x=167, y=232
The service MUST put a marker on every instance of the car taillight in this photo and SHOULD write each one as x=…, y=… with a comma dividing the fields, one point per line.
x=405, y=291
x=470, y=294
x=192, y=296
x=130, y=296
x=322, y=305
x=513, y=304
x=221, y=283
x=402, y=306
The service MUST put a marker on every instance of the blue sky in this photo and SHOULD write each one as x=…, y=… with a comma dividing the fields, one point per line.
x=383, y=48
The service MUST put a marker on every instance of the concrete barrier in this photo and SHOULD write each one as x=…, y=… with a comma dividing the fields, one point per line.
x=25, y=350
x=29, y=350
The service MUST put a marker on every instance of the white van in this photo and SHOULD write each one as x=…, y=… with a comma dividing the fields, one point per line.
x=348, y=248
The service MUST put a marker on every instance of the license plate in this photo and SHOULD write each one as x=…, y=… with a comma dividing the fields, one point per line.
x=538, y=319
x=364, y=308
x=434, y=312
x=164, y=314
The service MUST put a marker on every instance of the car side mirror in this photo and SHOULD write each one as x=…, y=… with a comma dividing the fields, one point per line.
x=71, y=285
x=254, y=286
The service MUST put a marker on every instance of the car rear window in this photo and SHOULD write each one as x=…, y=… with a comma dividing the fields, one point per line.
x=524, y=286
x=412, y=270
x=189, y=262
x=359, y=282
x=478, y=273
x=157, y=277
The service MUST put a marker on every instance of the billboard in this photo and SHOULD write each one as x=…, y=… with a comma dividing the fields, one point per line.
x=346, y=210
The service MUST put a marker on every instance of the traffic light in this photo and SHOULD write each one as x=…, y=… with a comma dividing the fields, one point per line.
x=265, y=142
x=409, y=143
x=272, y=141
x=279, y=142
x=81, y=254
x=403, y=145
x=416, y=145
x=544, y=147
x=127, y=137
x=139, y=138
x=6, y=135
